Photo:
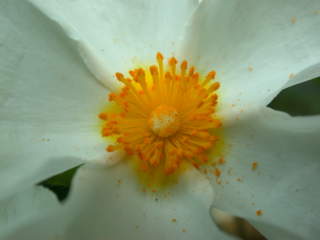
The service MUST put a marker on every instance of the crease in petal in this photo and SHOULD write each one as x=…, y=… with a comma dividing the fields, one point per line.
x=94, y=62
x=116, y=35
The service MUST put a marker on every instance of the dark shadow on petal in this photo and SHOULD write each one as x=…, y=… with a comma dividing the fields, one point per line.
x=235, y=226
x=276, y=231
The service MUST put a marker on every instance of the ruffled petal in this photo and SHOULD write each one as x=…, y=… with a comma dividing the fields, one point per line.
x=254, y=46
x=108, y=203
x=48, y=103
x=271, y=176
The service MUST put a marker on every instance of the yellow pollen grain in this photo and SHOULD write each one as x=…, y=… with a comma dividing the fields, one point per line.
x=239, y=179
x=293, y=20
x=221, y=161
x=254, y=166
x=165, y=116
x=259, y=212
x=291, y=75
x=217, y=172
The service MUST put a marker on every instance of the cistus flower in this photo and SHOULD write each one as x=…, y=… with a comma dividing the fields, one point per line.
x=61, y=59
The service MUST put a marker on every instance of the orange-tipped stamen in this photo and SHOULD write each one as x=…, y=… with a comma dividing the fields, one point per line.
x=167, y=114
x=211, y=75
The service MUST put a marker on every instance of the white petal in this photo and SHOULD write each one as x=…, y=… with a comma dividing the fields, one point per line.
x=48, y=103
x=123, y=210
x=285, y=184
x=308, y=74
x=255, y=46
x=108, y=203
x=121, y=34
x=18, y=210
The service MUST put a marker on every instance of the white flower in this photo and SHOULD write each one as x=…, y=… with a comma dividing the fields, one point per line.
x=49, y=102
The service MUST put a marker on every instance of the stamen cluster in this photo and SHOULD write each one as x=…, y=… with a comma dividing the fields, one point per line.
x=166, y=115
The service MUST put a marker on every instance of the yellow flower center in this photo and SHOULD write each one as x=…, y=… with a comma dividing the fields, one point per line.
x=164, y=121
x=166, y=115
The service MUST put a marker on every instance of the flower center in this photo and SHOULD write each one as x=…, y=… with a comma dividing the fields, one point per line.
x=164, y=121
x=167, y=115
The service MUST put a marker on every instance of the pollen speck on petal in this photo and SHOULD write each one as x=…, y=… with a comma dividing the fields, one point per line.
x=259, y=212
x=254, y=166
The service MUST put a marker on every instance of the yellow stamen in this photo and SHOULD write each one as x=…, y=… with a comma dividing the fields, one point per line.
x=166, y=115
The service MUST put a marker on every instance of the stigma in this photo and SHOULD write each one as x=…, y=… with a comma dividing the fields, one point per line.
x=164, y=121
x=166, y=115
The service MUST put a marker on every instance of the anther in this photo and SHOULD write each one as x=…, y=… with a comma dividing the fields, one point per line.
x=211, y=75
x=184, y=67
x=156, y=123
